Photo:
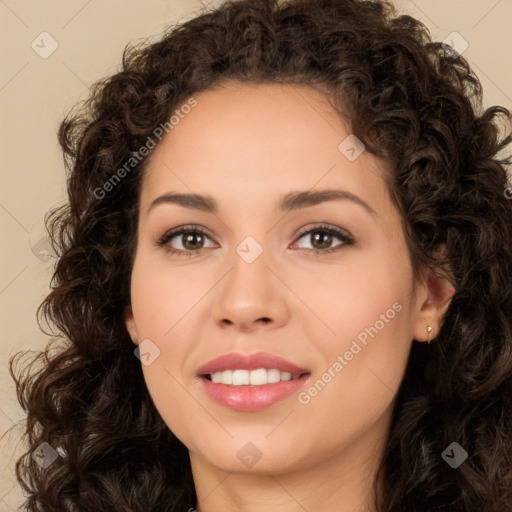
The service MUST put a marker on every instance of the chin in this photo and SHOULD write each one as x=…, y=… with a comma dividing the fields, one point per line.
x=251, y=455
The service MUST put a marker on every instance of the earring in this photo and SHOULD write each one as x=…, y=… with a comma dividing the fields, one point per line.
x=429, y=330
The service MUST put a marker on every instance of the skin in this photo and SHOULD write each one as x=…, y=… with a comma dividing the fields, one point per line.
x=247, y=145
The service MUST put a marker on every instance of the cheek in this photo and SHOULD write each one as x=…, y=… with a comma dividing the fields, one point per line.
x=369, y=291
x=164, y=302
x=364, y=356
x=353, y=390
x=162, y=296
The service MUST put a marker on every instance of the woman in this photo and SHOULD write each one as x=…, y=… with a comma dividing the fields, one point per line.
x=367, y=370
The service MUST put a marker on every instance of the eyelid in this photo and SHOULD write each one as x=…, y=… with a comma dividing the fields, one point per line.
x=338, y=232
x=171, y=233
x=334, y=230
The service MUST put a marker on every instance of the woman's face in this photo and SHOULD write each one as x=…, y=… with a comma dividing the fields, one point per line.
x=249, y=282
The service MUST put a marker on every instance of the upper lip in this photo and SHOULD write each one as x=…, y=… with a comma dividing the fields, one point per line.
x=234, y=361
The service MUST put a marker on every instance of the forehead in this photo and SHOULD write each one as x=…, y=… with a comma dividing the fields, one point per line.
x=262, y=138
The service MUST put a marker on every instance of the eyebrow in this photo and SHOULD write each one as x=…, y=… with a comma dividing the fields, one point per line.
x=289, y=202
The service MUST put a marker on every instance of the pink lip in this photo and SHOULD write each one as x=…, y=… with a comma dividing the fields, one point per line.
x=236, y=361
x=251, y=398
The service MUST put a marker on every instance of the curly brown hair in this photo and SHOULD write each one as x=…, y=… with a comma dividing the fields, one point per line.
x=409, y=99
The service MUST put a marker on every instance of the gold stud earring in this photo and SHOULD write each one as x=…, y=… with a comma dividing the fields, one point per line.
x=429, y=330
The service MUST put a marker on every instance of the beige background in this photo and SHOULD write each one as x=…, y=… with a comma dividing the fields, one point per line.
x=35, y=93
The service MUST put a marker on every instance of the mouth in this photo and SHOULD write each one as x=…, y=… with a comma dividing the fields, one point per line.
x=251, y=382
x=257, y=377
x=243, y=396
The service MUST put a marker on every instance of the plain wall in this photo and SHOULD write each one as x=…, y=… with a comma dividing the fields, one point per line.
x=36, y=93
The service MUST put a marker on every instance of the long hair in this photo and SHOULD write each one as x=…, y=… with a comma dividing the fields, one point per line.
x=411, y=100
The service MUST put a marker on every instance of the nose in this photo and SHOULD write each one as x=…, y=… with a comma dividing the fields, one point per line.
x=251, y=297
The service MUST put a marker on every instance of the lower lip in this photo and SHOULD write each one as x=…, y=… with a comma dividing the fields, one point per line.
x=252, y=398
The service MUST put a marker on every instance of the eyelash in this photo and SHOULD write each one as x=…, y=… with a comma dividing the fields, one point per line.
x=342, y=235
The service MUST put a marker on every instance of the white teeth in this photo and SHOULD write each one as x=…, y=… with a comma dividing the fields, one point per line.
x=227, y=377
x=273, y=376
x=240, y=378
x=286, y=376
x=258, y=377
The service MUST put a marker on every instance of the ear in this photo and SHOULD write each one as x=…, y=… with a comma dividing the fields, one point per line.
x=436, y=298
x=129, y=321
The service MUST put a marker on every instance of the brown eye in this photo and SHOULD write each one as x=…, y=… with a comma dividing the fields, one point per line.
x=322, y=237
x=190, y=239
